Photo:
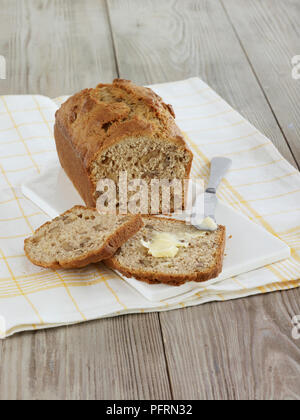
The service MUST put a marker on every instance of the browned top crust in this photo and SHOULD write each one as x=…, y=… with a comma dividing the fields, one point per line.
x=94, y=119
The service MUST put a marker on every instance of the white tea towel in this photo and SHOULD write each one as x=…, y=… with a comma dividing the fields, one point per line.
x=261, y=185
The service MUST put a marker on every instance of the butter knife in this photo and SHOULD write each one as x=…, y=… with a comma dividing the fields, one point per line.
x=218, y=168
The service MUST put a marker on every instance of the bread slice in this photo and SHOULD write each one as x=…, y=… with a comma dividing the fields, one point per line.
x=201, y=259
x=79, y=237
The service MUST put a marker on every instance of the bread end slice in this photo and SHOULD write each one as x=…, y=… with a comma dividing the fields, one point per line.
x=202, y=260
x=79, y=237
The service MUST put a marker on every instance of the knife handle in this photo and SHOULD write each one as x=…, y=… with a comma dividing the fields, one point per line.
x=218, y=168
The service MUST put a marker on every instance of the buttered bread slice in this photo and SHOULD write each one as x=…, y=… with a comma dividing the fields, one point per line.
x=79, y=237
x=172, y=252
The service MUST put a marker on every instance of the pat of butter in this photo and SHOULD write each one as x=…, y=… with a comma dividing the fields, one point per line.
x=164, y=244
x=208, y=224
x=197, y=234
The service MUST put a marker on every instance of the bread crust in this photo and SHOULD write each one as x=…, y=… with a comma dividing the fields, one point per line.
x=73, y=166
x=93, y=120
x=109, y=248
x=174, y=279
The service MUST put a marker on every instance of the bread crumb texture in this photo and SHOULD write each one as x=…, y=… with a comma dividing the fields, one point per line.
x=200, y=260
x=79, y=237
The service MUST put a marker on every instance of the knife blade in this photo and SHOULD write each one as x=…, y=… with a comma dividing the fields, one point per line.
x=218, y=168
x=210, y=204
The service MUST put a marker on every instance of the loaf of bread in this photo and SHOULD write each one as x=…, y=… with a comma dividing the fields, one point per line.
x=79, y=237
x=119, y=127
x=199, y=256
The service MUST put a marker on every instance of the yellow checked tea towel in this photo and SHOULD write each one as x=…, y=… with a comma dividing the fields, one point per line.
x=261, y=184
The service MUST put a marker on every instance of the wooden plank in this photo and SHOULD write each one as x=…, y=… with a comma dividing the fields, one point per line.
x=118, y=358
x=159, y=41
x=240, y=349
x=234, y=350
x=56, y=47
x=269, y=31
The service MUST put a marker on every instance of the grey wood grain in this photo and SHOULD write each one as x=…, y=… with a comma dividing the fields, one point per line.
x=240, y=349
x=269, y=31
x=159, y=41
x=117, y=358
x=56, y=47
x=234, y=350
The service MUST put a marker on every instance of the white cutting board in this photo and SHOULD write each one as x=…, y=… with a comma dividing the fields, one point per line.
x=250, y=246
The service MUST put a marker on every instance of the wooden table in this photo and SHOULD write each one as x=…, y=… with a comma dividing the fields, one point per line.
x=239, y=349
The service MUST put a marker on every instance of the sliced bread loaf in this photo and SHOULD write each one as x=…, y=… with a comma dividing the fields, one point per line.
x=119, y=127
x=79, y=237
x=199, y=256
